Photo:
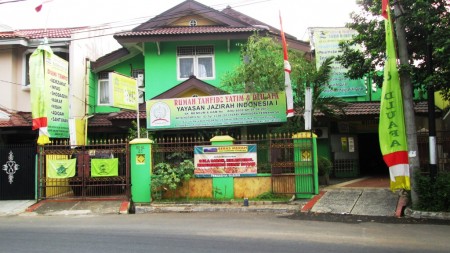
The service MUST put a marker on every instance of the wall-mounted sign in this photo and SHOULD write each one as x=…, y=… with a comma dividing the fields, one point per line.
x=326, y=44
x=221, y=110
x=140, y=158
x=57, y=83
x=124, y=90
x=225, y=161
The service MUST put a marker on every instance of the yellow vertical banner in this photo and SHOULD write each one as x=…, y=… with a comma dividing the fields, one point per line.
x=38, y=91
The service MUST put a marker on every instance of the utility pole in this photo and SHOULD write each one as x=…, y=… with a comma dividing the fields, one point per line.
x=408, y=106
x=431, y=114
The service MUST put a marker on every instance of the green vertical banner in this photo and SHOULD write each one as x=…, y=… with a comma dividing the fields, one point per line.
x=37, y=92
x=49, y=94
x=57, y=96
x=392, y=131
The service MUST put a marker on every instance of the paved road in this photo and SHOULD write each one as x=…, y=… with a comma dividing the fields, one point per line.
x=212, y=232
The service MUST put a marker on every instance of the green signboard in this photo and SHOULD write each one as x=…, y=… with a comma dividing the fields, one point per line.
x=57, y=97
x=326, y=44
x=221, y=110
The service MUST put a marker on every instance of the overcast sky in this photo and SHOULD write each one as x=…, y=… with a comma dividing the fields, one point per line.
x=297, y=15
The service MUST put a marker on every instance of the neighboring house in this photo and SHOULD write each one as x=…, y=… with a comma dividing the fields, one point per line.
x=16, y=47
x=77, y=45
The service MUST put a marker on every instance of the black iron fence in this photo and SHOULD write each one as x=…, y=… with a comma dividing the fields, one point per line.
x=98, y=170
x=275, y=156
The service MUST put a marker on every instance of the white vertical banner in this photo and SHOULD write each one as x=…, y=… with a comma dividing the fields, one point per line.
x=308, y=108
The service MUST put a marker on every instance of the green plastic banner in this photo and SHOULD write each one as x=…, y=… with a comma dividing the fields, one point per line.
x=105, y=167
x=61, y=168
x=57, y=95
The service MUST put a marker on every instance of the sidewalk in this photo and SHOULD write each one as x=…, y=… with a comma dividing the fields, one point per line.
x=340, y=198
x=373, y=202
x=14, y=207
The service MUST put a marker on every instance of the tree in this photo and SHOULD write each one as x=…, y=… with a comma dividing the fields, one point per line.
x=420, y=25
x=263, y=71
x=425, y=22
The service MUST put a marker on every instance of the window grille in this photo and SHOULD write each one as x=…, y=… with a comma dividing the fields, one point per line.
x=195, y=50
x=136, y=72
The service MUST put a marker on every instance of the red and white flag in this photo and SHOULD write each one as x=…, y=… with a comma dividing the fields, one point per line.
x=41, y=3
x=287, y=77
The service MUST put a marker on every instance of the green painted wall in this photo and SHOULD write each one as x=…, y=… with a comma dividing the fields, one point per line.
x=223, y=188
x=161, y=70
x=124, y=68
x=323, y=148
x=92, y=100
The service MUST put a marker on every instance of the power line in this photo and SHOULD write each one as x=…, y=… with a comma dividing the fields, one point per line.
x=101, y=27
x=11, y=1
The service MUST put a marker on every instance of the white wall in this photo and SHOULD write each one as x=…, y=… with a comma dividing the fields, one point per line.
x=89, y=44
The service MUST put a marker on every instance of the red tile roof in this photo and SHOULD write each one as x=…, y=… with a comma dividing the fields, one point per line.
x=40, y=33
x=364, y=108
x=24, y=119
x=100, y=119
x=188, y=30
x=18, y=119
x=373, y=109
x=129, y=115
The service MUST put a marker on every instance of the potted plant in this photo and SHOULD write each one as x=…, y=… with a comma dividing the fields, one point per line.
x=324, y=166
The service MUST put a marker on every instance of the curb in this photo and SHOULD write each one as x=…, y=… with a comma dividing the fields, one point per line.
x=401, y=205
x=260, y=207
x=192, y=209
x=308, y=206
x=33, y=207
x=426, y=215
x=124, y=207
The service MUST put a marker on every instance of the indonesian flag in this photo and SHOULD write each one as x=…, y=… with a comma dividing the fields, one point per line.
x=392, y=132
x=41, y=3
x=287, y=77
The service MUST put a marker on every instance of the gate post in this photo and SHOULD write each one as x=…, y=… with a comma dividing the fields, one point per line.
x=223, y=187
x=141, y=161
x=305, y=162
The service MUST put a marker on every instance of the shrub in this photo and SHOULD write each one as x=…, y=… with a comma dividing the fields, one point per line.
x=169, y=176
x=433, y=195
x=271, y=196
x=324, y=166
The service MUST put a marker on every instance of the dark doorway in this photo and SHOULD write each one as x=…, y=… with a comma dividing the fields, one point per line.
x=370, y=159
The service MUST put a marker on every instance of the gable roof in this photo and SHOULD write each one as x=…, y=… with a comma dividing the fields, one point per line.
x=226, y=24
x=53, y=33
x=188, y=7
x=190, y=84
x=111, y=59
